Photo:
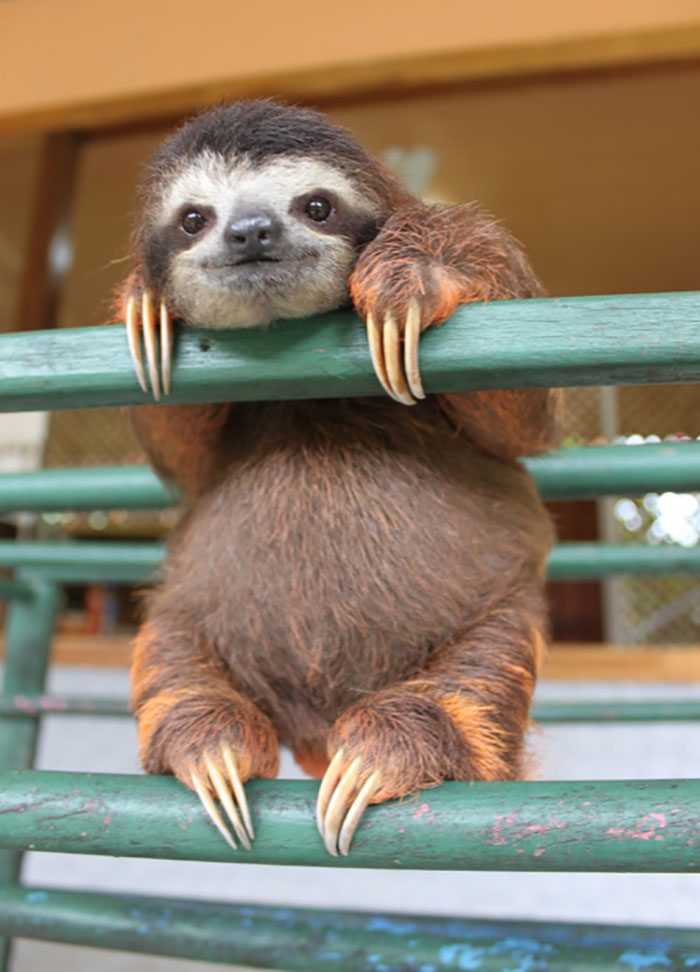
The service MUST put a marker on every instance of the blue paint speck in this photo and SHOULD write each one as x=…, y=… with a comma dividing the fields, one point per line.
x=143, y=929
x=692, y=961
x=379, y=923
x=36, y=896
x=529, y=954
x=465, y=956
x=640, y=960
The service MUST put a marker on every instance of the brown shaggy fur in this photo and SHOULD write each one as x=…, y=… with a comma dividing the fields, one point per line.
x=356, y=573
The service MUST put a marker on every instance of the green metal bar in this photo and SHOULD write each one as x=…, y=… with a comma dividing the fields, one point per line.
x=31, y=706
x=311, y=940
x=633, y=339
x=585, y=472
x=573, y=473
x=524, y=826
x=125, y=561
x=28, y=636
x=101, y=488
x=653, y=710
x=585, y=561
x=15, y=591
x=86, y=560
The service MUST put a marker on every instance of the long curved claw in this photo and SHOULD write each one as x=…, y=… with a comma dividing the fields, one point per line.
x=376, y=350
x=392, y=358
x=410, y=350
x=215, y=783
x=238, y=790
x=330, y=778
x=341, y=803
x=357, y=808
x=133, y=337
x=148, y=324
x=143, y=319
x=166, y=346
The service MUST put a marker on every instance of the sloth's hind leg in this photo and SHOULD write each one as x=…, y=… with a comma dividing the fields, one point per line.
x=194, y=724
x=463, y=717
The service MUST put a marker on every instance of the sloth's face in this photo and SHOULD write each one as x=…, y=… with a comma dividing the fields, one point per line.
x=235, y=245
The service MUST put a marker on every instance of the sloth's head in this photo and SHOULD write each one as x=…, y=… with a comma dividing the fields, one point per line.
x=256, y=211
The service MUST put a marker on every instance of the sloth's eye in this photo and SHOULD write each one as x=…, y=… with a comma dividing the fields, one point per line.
x=192, y=222
x=318, y=208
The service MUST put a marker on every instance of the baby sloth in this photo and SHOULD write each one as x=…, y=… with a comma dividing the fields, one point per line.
x=355, y=579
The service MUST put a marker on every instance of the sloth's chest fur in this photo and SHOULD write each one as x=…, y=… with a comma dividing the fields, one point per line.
x=343, y=544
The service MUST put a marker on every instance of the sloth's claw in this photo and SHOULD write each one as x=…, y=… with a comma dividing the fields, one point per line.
x=148, y=324
x=374, y=336
x=143, y=319
x=214, y=783
x=392, y=358
x=410, y=350
x=385, y=349
x=341, y=802
x=134, y=339
x=166, y=346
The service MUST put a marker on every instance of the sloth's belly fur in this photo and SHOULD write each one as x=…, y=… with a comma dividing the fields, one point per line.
x=324, y=567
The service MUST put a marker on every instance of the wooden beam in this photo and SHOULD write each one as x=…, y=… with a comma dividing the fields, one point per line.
x=145, y=61
x=48, y=254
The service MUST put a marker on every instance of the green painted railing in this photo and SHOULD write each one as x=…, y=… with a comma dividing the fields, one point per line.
x=133, y=562
x=558, y=341
x=641, y=826
x=309, y=940
x=573, y=473
x=523, y=826
x=651, y=710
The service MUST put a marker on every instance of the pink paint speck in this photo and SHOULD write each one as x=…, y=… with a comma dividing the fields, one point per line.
x=401, y=830
x=182, y=826
x=84, y=833
x=108, y=820
x=586, y=803
x=540, y=851
x=423, y=808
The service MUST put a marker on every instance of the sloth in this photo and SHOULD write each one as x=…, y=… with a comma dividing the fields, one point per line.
x=354, y=578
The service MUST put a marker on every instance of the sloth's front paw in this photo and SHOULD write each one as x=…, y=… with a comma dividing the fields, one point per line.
x=141, y=309
x=398, y=300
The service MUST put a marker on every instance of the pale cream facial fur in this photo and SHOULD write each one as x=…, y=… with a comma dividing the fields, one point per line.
x=311, y=281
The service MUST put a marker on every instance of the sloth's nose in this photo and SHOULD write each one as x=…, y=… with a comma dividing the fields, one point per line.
x=252, y=235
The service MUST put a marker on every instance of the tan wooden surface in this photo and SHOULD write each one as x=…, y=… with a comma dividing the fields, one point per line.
x=75, y=63
x=663, y=663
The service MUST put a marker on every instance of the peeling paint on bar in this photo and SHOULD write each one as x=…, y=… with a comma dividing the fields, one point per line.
x=309, y=940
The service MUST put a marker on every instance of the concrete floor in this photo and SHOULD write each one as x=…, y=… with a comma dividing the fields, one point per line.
x=609, y=752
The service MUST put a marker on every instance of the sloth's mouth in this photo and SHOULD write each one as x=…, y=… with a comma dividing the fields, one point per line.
x=255, y=261
x=245, y=261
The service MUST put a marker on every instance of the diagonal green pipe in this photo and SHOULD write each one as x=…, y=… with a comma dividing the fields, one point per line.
x=311, y=940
